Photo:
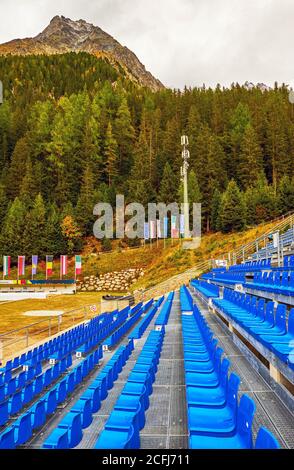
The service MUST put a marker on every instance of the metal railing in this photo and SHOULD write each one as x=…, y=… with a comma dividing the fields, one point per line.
x=20, y=339
x=251, y=247
x=174, y=282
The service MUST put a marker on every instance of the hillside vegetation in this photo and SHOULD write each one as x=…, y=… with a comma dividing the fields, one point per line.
x=75, y=131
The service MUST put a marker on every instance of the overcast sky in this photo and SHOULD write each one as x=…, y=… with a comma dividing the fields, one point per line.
x=182, y=42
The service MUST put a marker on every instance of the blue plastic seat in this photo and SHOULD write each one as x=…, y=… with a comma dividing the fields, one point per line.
x=23, y=428
x=4, y=414
x=7, y=439
x=84, y=408
x=58, y=439
x=101, y=381
x=265, y=440
x=27, y=394
x=216, y=420
x=94, y=395
x=123, y=421
x=72, y=422
x=212, y=397
x=118, y=439
x=38, y=384
x=134, y=404
x=15, y=403
x=51, y=401
x=240, y=439
x=38, y=414
x=137, y=389
x=61, y=391
x=48, y=377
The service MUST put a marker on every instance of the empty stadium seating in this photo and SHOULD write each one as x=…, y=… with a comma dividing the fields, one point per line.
x=216, y=419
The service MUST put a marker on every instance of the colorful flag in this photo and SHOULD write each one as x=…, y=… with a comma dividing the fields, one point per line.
x=182, y=224
x=174, y=230
x=78, y=265
x=6, y=265
x=152, y=229
x=21, y=265
x=146, y=231
x=34, y=264
x=165, y=227
x=63, y=265
x=49, y=265
x=159, y=228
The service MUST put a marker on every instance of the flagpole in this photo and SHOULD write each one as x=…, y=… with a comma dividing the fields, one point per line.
x=46, y=268
x=60, y=267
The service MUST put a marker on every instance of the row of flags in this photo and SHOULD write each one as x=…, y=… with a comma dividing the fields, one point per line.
x=21, y=265
x=159, y=229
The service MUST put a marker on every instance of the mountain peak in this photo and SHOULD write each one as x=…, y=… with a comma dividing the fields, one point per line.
x=66, y=35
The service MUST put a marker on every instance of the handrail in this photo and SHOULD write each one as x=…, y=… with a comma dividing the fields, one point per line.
x=244, y=249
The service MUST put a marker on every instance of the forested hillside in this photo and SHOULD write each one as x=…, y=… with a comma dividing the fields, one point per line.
x=75, y=131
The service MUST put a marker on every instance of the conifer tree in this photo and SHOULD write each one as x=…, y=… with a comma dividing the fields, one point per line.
x=28, y=186
x=251, y=165
x=34, y=237
x=124, y=135
x=11, y=238
x=17, y=167
x=285, y=195
x=110, y=152
x=54, y=240
x=3, y=204
x=168, y=186
x=232, y=211
x=85, y=204
x=215, y=210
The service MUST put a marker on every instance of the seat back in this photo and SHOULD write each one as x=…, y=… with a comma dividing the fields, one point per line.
x=265, y=440
x=269, y=313
x=260, y=308
x=291, y=322
x=224, y=369
x=245, y=416
x=281, y=312
x=232, y=392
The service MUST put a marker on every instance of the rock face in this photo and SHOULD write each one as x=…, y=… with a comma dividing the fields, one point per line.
x=64, y=35
x=115, y=281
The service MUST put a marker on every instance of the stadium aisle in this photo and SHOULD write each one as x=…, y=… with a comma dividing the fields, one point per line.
x=166, y=418
x=91, y=433
x=270, y=411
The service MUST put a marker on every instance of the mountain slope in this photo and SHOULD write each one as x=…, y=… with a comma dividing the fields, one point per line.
x=65, y=35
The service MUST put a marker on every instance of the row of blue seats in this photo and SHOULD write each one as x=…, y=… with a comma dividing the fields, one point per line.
x=164, y=313
x=43, y=381
x=230, y=278
x=289, y=261
x=69, y=432
x=9, y=385
x=58, y=347
x=122, y=429
x=186, y=299
x=263, y=321
x=20, y=394
x=22, y=429
x=205, y=288
x=15, y=393
x=113, y=339
x=215, y=418
x=20, y=397
x=275, y=282
x=138, y=331
x=251, y=266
